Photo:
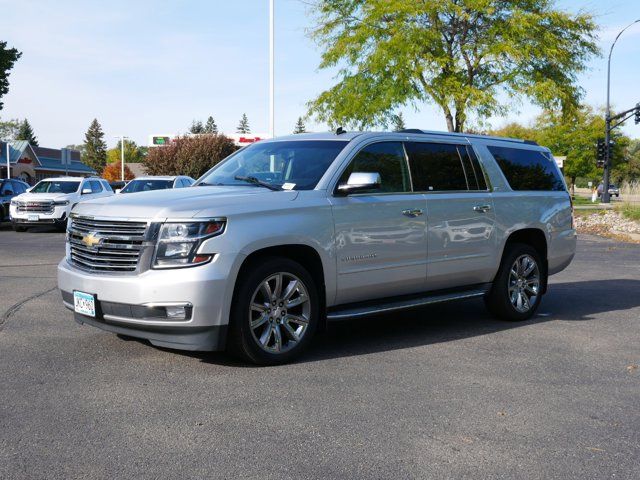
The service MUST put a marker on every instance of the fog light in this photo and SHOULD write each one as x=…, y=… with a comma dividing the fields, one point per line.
x=176, y=313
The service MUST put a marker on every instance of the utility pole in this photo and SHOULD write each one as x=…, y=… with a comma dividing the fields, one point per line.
x=8, y=161
x=271, y=70
x=608, y=119
x=122, y=139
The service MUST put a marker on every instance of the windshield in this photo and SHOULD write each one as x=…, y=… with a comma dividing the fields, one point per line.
x=296, y=165
x=146, y=185
x=55, y=187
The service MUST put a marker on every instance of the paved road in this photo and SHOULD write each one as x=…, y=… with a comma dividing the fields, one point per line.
x=443, y=392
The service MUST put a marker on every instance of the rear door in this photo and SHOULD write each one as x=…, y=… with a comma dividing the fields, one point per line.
x=380, y=235
x=461, y=235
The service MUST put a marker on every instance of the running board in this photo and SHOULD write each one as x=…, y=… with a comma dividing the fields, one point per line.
x=389, y=305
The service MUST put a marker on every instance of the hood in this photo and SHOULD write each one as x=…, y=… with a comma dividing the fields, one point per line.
x=184, y=202
x=43, y=197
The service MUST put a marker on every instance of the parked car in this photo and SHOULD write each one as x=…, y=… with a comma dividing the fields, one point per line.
x=613, y=190
x=291, y=232
x=50, y=201
x=117, y=185
x=9, y=188
x=147, y=184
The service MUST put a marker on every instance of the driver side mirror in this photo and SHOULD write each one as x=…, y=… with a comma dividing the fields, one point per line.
x=86, y=191
x=360, y=182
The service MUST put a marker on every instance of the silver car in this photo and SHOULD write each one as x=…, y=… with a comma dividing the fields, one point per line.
x=289, y=233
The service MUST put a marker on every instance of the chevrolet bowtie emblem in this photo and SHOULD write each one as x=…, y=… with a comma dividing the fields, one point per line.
x=91, y=239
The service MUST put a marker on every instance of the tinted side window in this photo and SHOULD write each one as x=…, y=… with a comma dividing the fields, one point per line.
x=95, y=186
x=527, y=169
x=435, y=167
x=385, y=158
x=19, y=187
x=477, y=170
x=106, y=186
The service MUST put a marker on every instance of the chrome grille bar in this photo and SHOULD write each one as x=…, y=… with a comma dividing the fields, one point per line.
x=35, y=207
x=103, y=245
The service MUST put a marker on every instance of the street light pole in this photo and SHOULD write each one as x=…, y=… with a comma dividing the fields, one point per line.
x=271, y=70
x=122, y=139
x=607, y=133
x=8, y=160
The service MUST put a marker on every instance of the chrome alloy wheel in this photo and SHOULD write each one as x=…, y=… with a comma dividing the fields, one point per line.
x=524, y=283
x=279, y=312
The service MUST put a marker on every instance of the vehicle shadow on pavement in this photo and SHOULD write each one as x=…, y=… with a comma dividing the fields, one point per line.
x=568, y=301
x=6, y=227
x=446, y=322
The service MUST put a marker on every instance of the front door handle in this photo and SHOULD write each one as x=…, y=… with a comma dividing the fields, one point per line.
x=412, y=212
x=482, y=208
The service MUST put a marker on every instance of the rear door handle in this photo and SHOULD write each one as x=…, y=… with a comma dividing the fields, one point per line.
x=412, y=212
x=482, y=208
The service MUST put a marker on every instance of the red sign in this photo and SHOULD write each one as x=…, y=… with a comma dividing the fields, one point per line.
x=25, y=160
x=248, y=139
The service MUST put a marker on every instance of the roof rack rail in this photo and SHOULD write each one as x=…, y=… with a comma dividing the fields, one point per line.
x=472, y=135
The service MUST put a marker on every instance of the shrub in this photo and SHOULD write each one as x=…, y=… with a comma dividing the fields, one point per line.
x=113, y=173
x=188, y=155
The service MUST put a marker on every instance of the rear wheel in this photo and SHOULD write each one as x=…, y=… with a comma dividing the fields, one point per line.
x=275, y=312
x=517, y=289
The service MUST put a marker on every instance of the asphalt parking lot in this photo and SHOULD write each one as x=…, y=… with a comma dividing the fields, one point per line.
x=441, y=392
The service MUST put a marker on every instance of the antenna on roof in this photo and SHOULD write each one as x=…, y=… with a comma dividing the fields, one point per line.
x=340, y=131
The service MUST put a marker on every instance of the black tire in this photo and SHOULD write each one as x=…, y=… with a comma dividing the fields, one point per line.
x=499, y=298
x=243, y=341
x=18, y=228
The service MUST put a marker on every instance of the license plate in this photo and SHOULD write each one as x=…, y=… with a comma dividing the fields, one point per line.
x=34, y=218
x=84, y=303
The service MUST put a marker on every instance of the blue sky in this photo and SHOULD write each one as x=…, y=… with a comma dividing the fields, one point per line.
x=144, y=67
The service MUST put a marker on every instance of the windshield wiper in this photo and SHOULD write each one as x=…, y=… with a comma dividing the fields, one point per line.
x=255, y=181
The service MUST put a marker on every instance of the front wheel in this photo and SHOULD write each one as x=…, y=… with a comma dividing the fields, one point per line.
x=275, y=312
x=18, y=228
x=517, y=289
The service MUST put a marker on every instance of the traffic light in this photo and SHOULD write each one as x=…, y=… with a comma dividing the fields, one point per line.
x=600, y=153
x=637, y=117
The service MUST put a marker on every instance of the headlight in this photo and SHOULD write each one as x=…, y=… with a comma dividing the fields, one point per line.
x=59, y=203
x=178, y=243
x=14, y=202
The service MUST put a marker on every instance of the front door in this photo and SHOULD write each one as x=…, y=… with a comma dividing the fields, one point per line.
x=380, y=235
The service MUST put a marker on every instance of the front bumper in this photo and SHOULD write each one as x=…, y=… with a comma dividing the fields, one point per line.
x=123, y=302
x=57, y=217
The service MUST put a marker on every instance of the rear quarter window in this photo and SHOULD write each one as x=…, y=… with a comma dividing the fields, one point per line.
x=527, y=169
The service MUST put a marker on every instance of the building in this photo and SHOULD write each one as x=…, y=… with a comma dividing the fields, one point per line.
x=31, y=164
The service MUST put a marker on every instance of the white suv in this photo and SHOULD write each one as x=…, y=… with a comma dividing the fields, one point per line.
x=50, y=201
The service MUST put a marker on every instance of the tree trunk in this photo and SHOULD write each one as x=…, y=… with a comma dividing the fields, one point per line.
x=449, y=118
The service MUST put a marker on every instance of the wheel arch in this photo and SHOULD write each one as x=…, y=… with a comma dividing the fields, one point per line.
x=535, y=238
x=305, y=255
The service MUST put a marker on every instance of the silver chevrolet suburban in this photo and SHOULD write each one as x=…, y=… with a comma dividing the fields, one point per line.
x=289, y=233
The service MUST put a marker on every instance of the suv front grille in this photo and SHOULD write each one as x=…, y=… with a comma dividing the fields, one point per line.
x=35, y=207
x=106, y=245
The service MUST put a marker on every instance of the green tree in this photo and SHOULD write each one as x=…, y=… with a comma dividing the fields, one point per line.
x=300, y=126
x=574, y=137
x=94, y=153
x=243, y=126
x=196, y=127
x=460, y=54
x=132, y=153
x=25, y=132
x=9, y=129
x=210, y=126
x=398, y=122
x=8, y=56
